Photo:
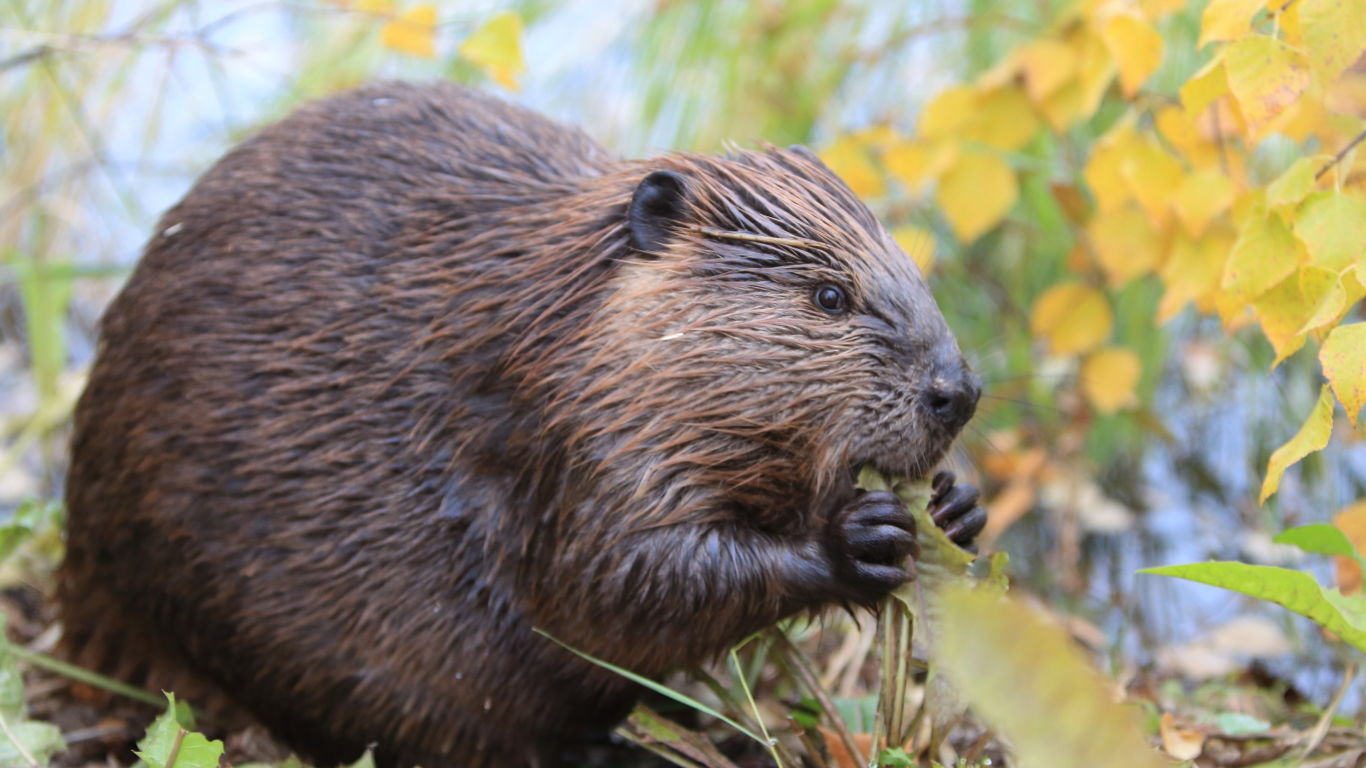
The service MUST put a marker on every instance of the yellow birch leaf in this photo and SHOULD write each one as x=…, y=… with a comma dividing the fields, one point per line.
x=1227, y=19
x=918, y=243
x=1125, y=244
x=1282, y=311
x=1072, y=317
x=496, y=48
x=1109, y=377
x=1210, y=83
x=1136, y=47
x=1200, y=197
x=1343, y=357
x=916, y=162
x=1265, y=76
x=413, y=32
x=947, y=112
x=879, y=137
x=1326, y=295
x=1002, y=118
x=1063, y=107
x=848, y=158
x=1332, y=227
x=1153, y=176
x=1095, y=71
x=1047, y=65
x=1191, y=272
x=1263, y=256
x=1293, y=185
x=1313, y=436
x=1334, y=34
x=1104, y=171
x=975, y=193
x=1181, y=132
x=379, y=7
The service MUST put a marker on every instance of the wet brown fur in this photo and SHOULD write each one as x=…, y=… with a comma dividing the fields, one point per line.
x=390, y=387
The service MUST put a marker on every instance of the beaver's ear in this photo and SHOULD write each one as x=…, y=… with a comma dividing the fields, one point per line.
x=657, y=206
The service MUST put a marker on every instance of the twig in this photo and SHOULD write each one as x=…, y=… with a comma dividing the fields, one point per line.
x=1326, y=719
x=802, y=666
x=1341, y=154
x=36, y=52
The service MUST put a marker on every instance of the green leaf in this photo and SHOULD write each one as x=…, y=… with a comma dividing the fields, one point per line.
x=170, y=744
x=39, y=741
x=1028, y=680
x=1239, y=724
x=895, y=757
x=1295, y=590
x=30, y=739
x=1321, y=539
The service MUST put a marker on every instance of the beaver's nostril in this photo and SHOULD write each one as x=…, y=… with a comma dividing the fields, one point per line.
x=952, y=407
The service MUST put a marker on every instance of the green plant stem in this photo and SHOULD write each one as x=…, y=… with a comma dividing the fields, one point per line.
x=758, y=717
x=84, y=675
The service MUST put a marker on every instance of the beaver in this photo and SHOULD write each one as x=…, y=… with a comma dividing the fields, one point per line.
x=415, y=371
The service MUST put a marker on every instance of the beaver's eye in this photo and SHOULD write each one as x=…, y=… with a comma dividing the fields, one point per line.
x=830, y=298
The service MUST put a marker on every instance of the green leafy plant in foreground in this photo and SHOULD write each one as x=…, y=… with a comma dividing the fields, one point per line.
x=1343, y=615
x=22, y=741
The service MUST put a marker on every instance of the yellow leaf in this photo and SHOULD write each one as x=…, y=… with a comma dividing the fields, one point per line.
x=1181, y=132
x=1292, y=186
x=1109, y=377
x=1324, y=292
x=1192, y=270
x=1047, y=64
x=1343, y=357
x=1095, y=71
x=1227, y=19
x=1152, y=175
x=413, y=32
x=1263, y=256
x=1072, y=317
x=1313, y=436
x=1032, y=684
x=379, y=7
x=916, y=162
x=975, y=193
x=1265, y=76
x=947, y=112
x=848, y=158
x=1063, y=107
x=1125, y=244
x=918, y=243
x=1136, y=47
x=1002, y=118
x=1332, y=227
x=1200, y=197
x=1334, y=34
x=496, y=48
x=1104, y=171
x=1204, y=87
x=1282, y=311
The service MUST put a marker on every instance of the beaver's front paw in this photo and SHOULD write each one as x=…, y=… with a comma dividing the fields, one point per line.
x=869, y=540
x=954, y=509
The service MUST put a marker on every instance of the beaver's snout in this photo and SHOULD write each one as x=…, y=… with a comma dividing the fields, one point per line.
x=950, y=397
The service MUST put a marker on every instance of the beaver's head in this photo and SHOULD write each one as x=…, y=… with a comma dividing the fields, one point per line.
x=765, y=337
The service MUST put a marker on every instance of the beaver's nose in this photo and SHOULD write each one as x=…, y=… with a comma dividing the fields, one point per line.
x=952, y=396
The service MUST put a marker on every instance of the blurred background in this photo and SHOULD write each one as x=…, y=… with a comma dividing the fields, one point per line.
x=1144, y=441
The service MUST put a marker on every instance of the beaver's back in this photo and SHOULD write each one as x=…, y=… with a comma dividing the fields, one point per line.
x=259, y=419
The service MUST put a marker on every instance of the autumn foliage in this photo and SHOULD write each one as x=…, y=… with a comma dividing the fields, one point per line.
x=1170, y=191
